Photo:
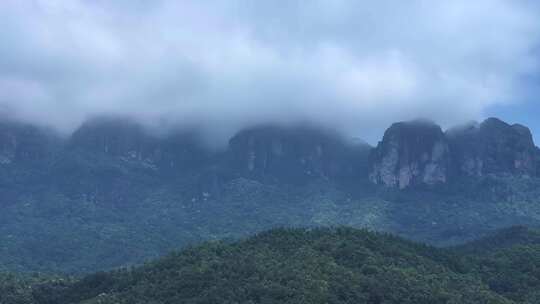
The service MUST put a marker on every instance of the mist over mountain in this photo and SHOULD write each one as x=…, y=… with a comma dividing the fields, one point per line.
x=114, y=194
x=223, y=67
x=325, y=151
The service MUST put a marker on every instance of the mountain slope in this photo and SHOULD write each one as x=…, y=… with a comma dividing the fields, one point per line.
x=508, y=262
x=291, y=266
x=113, y=194
x=502, y=240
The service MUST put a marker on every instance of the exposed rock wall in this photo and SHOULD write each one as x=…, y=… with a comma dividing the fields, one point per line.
x=25, y=144
x=129, y=142
x=294, y=154
x=8, y=146
x=493, y=148
x=418, y=153
x=411, y=153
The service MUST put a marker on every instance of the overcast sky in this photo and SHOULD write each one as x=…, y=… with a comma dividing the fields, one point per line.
x=223, y=65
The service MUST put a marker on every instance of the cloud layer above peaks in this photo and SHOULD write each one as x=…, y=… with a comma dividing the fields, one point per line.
x=224, y=65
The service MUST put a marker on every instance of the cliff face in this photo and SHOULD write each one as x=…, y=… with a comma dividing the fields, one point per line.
x=111, y=180
x=23, y=144
x=293, y=154
x=537, y=161
x=118, y=138
x=129, y=142
x=411, y=153
x=8, y=145
x=493, y=148
x=417, y=153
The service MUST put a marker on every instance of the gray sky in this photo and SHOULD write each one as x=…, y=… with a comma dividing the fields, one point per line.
x=223, y=65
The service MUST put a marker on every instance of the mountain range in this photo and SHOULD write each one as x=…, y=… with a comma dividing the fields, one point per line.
x=113, y=193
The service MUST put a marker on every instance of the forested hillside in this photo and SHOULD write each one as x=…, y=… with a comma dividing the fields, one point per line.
x=112, y=195
x=338, y=265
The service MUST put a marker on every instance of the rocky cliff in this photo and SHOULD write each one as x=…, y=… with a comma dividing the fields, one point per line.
x=419, y=153
x=113, y=137
x=493, y=148
x=130, y=195
x=25, y=144
x=295, y=154
x=130, y=142
x=411, y=153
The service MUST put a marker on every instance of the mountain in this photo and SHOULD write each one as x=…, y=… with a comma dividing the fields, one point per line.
x=129, y=142
x=502, y=240
x=419, y=153
x=411, y=153
x=25, y=144
x=494, y=148
x=114, y=194
x=293, y=155
x=339, y=265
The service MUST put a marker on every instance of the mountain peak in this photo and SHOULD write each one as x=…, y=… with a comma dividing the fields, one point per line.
x=495, y=126
x=418, y=152
x=411, y=153
x=494, y=121
x=495, y=148
x=292, y=153
x=115, y=137
x=21, y=142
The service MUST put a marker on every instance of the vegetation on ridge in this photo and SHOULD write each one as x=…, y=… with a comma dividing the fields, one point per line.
x=341, y=265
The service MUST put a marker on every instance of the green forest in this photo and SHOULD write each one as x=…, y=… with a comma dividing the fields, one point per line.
x=321, y=265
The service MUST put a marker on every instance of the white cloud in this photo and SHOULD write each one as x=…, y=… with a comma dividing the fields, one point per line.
x=353, y=65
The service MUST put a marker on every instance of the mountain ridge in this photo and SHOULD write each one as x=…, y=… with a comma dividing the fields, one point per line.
x=324, y=265
x=492, y=147
x=131, y=195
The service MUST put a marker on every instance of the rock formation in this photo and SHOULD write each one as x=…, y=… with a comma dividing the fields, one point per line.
x=129, y=141
x=419, y=153
x=24, y=144
x=493, y=148
x=294, y=154
x=411, y=153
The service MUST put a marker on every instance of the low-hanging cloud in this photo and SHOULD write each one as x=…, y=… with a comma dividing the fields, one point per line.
x=224, y=65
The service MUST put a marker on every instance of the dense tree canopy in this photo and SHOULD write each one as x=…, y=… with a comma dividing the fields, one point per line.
x=341, y=265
